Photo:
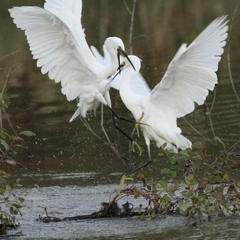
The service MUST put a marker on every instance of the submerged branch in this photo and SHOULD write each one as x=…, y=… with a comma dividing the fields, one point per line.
x=108, y=210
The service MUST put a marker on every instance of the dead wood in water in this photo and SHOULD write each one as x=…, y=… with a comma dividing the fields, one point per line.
x=108, y=210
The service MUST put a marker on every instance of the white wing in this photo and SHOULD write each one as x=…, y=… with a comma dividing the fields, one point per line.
x=191, y=73
x=104, y=59
x=58, y=43
x=137, y=85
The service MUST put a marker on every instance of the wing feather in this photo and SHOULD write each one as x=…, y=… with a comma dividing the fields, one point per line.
x=59, y=43
x=191, y=73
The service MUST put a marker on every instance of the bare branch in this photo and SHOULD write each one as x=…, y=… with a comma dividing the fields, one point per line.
x=9, y=55
x=228, y=53
x=127, y=6
x=148, y=36
x=206, y=139
x=131, y=25
x=108, y=143
x=208, y=113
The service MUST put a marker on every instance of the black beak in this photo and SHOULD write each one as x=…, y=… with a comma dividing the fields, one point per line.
x=120, y=50
x=119, y=70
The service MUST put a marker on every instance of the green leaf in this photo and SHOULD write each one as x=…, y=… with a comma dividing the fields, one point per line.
x=182, y=163
x=10, y=161
x=170, y=151
x=8, y=188
x=19, y=145
x=184, y=152
x=3, y=143
x=195, y=144
x=165, y=171
x=189, y=179
x=173, y=174
x=8, y=204
x=17, y=205
x=184, y=205
x=4, y=134
x=2, y=172
x=173, y=160
x=164, y=145
x=13, y=211
x=16, y=138
x=27, y=133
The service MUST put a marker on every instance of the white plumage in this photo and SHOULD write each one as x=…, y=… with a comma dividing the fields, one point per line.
x=188, y=79
x=137, y=84
x=56, y=38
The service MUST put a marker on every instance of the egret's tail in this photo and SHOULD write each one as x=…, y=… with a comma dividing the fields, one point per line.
x=182, y=142
x=77, y=113
x=177, y=144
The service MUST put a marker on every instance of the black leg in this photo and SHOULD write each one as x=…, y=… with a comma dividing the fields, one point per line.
x=138, y=168
x=146, y=163
x=120, y=117
x=119, y=129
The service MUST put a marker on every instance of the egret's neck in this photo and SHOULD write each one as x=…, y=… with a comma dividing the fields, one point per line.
x=114, y=61
x=129, y=98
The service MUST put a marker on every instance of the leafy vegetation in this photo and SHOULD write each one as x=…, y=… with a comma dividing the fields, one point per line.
x=10, y=202
x=191, y=184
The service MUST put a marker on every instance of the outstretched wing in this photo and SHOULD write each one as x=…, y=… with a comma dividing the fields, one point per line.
x=104, y=59
x=57, y=40
x=137, y=84
x=191, y=73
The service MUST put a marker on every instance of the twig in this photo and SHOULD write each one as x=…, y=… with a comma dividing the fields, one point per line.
x=127, y=6
x=16, y=134
x=131, y=26
x=9, y=55
x=3, y=90
x=206, y=139
x=228, y=54
x=130, y=147
x=226, y=151
x=87, y=125
x=148, y=36
x=6, y=80
x=210, y=119
x=1, y=125
x=213, y=102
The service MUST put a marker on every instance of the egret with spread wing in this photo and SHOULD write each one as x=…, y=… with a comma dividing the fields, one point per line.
x=57, y=40
x=188, y=79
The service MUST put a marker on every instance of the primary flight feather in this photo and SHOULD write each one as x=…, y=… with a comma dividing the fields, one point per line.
x=188, y=79
x=57, y=40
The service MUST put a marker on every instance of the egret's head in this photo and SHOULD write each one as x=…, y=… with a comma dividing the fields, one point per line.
x=114, y=43
x=117, y=45
x=129, y=61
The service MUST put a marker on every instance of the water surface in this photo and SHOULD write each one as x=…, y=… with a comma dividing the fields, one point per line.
x=75, y=170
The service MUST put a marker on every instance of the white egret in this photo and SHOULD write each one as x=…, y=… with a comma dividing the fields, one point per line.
x=188, y=79
x=57, y=40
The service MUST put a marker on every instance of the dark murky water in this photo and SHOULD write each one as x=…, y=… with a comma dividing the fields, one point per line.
x=74, y=169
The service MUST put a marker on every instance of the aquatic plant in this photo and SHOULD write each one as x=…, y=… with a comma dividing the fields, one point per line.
x=196, y=185
x=10, y=202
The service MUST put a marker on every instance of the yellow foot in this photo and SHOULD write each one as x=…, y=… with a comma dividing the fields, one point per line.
x=135, y=144
x=122, y=182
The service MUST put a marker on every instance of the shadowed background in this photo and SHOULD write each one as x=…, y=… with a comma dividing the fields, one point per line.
x=159, y=28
